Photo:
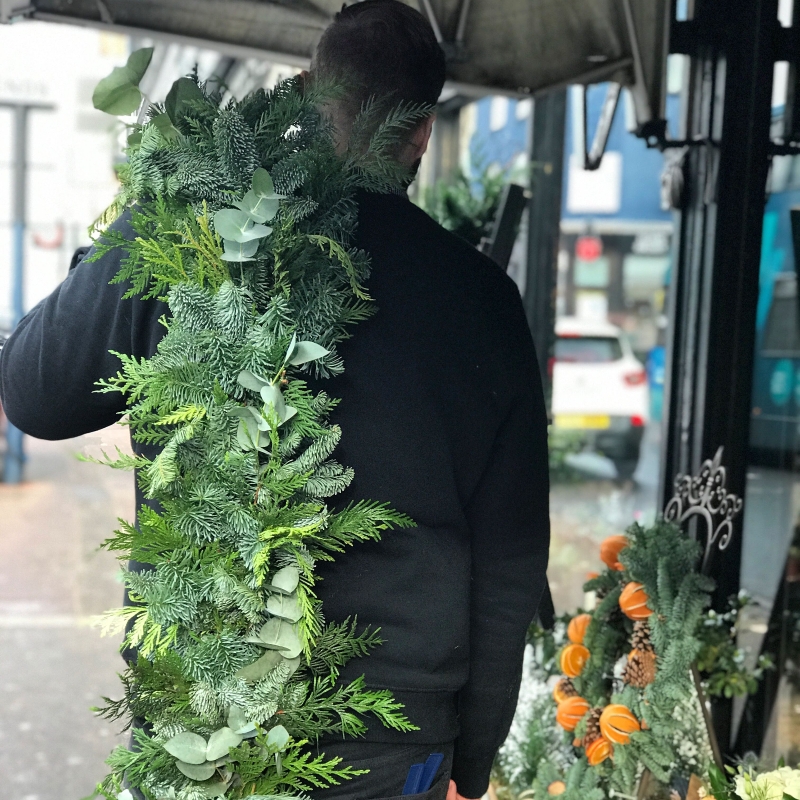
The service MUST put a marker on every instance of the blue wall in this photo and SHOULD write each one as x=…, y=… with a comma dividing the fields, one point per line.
x=641, y=166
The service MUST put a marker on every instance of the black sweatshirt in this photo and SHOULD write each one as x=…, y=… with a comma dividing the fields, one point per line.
x=442, y=417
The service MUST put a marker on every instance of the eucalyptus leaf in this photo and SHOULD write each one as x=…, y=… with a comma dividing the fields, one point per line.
x=278, y=738
x=256, y=232
x=238, y=252
x=290, y=350
x=236, y=226
x=237, y=720
x=263, y=185
x=187, y=746
x=138, y=62
x=197, y=772
x=243, y=412
x=270, y=633
x=285, y=607
x=285, y=580
x=165, y=127
x=251, y=381
x=291, y=411
x=220, y=742
x=307, y=351
x=259, y=209
x=183, y=93
x=293, y=664
x=216, y=789
x=230, y=223
x=277, y=634
x=247, y=434
x=271, y=395
x=118, y=93
x=292, y=646
x=256, y=671
x=134, y=139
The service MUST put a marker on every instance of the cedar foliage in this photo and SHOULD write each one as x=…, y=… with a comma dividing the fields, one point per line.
x=242, y=489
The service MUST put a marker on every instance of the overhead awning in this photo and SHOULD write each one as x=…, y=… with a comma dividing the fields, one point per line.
x=518, y=47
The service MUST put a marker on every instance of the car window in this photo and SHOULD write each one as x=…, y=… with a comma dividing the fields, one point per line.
x=588, y=349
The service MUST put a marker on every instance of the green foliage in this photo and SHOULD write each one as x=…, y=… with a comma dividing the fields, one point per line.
x=119, y=92
x=467, y=204
x=229, y=631
x=534, y=739
x=560, y=445
x=581, y=782
x=721, y=663
x=547, y=644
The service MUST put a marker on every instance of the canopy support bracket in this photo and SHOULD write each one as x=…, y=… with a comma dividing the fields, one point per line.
x=593, y=156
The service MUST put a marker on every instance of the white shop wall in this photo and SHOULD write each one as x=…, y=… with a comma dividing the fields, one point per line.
x=70, y=149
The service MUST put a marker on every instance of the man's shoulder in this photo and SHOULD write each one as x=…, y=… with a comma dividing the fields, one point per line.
x=398, y=229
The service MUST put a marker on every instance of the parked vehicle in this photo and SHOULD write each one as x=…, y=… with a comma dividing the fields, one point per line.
x=600, y=389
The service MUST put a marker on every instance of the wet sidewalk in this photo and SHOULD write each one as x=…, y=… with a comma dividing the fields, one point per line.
x=53, y=580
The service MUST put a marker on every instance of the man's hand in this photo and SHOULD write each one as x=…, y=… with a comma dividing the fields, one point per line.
x=452, y=793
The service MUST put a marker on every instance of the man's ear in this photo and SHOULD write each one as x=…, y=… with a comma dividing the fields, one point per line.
x=420, y=137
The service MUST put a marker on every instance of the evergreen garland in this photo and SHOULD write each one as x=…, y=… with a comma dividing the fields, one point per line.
x=664, y=561
x=237, y=669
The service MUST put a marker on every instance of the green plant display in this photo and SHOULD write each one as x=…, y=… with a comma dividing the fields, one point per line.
x=466, y=205
x=538, y=752
x=561, y=444
x=721, y=663
x=244, y=218
x=630, y=671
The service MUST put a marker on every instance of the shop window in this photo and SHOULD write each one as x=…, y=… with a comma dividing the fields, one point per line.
x=769, y=722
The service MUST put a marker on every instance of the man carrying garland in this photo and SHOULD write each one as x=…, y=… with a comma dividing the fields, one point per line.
x=443, y=408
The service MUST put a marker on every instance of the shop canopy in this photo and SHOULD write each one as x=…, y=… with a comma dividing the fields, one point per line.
x=518, y=47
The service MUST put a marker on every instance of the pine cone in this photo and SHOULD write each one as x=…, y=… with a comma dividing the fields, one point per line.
x=640, y=669
x=564, y=689
x=592, y=726
x=641, y=637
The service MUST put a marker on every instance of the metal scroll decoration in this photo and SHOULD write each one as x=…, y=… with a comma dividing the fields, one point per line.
x=704, y=495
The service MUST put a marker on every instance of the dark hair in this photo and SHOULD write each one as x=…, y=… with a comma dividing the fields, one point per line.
x=381, y=49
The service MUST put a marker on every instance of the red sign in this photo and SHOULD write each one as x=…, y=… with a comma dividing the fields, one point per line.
x=589, y=248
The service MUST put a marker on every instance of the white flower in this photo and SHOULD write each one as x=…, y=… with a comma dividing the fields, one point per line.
x=791, y=782
x=741, y=786
x=768, y=786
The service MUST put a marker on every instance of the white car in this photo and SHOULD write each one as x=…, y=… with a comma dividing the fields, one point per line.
x=599, y=387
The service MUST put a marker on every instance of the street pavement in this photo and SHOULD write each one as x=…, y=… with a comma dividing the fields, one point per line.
x=53, y=581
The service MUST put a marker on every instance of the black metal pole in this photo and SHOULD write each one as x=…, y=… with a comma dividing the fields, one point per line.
x=546, y=151
x=716, y=258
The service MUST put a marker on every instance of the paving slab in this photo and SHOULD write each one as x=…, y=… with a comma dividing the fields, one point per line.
x=53, y=581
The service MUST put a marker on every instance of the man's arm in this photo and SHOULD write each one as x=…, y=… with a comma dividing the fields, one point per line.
x=50, y=365
x=509, y=520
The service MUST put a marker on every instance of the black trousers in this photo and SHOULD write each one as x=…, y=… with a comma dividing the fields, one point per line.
x=388, y=766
